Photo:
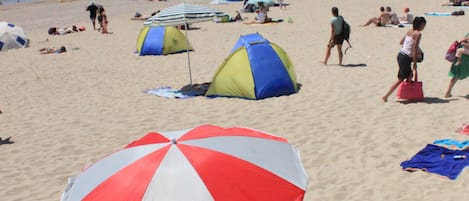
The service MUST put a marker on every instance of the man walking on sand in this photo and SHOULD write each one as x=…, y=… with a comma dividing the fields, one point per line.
x=336, y=37
x=93, y=9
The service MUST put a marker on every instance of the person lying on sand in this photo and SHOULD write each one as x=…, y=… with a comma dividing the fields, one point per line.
x=139, y=16
x=66, y=30
x=48, y=50
x=456, y=3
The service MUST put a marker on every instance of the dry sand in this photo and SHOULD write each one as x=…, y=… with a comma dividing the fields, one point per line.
x=66, y=111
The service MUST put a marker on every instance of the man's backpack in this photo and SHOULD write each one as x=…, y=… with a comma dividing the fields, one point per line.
x=345, y=29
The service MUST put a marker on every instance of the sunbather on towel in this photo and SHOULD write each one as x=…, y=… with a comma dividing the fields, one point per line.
x=66, y=30
x=456, y=3
x=48, y=50
x=139, y=16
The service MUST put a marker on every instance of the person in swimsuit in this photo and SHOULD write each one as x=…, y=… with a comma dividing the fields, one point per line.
x=48, y=50
x=103, y=21
x=383, y=18
x=407, y=57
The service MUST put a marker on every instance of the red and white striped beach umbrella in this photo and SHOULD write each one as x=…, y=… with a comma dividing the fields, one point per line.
x=206, y=163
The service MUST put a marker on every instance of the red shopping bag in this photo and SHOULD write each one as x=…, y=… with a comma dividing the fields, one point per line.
x=411, y=90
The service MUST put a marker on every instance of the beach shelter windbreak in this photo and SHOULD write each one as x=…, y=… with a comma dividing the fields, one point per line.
x=161, y=40
x=255, y=69
x=12, y=36
x=205, y=163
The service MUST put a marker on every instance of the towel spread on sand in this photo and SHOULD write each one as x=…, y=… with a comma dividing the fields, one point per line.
x=439, y=160
x=437, y=14
x=167, y=92
x=452, y=144
x=187, y=91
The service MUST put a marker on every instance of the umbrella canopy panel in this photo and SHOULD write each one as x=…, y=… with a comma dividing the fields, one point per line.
x=266, y=2
x=183, y=13
x=204, y=164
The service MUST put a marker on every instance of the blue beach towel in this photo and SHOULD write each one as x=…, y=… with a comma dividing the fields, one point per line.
x=439, y=160
x=437, y=14
x=449, y=143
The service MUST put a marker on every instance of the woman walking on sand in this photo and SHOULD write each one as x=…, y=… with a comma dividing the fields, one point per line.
x=336, y=38
x=407, y=57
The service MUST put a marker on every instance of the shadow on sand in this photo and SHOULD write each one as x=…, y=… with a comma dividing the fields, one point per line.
x=428, y=100
x=354, y=65
x=6, y=141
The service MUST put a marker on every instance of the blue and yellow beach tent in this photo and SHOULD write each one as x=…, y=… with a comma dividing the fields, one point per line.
x=161, y=40
x=255, y=69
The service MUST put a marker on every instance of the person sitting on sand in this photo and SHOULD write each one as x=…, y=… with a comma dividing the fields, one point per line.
x=383, y=18
x=48, y=50
x=260, y=18
x=408, y=18
x=393, y=19
x=237, y=17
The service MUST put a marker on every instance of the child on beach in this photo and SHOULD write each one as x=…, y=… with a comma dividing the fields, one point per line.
x=462, y=50
x=102, y=19
x=408, y=55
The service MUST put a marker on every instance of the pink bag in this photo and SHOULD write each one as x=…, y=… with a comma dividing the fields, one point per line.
x=410, y=90
x=451, y=52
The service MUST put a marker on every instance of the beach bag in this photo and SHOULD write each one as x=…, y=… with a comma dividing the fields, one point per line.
x=420, y=55
x=411, y=90
x=451, y=52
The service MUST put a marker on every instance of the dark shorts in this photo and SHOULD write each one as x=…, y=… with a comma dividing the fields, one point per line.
x=405, y=63
x=338, y=39
x=93, y=17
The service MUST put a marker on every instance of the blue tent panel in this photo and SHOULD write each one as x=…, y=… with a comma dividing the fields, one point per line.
x=154, y=42
x=248, y=40
x=266, y=66
x=20, y=41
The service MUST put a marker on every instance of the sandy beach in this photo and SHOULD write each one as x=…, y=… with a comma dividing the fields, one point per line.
x=66, y=111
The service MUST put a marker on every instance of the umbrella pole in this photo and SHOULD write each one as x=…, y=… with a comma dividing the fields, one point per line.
x=187, y=50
